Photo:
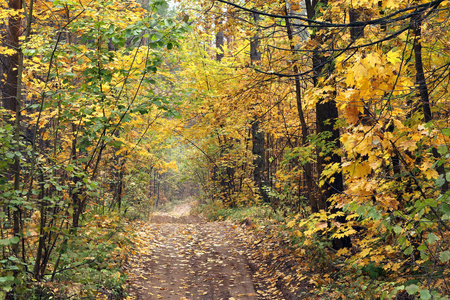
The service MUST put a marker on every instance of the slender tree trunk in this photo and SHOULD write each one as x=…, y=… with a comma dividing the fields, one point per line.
x=298, y=95
x=355, y=32
x=258, y=151
x=255, y=54
x=11, y=100
x=258, y=145
x=76, y=200
x=157, y=192
x=220, y=41
x=421, y=84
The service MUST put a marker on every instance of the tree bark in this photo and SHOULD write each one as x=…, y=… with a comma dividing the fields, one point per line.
x=255, y=54
x=298, y=95
x=326, y=117
x=11, y=98
x=258, y=151
x=258, y=145
x=423, y=91
x=220, y=41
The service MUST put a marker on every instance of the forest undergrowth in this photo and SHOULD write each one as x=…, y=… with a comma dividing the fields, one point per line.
x=307, y=267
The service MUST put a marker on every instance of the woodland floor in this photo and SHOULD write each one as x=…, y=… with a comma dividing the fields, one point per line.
x=184, y=257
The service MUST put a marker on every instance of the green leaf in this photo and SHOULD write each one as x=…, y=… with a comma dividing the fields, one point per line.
x=14, y=240
x=446, y=131
x=398, y=229
x=444, y=256
x=432, y=238
x=422, y=247
x=7, y=288
x=440, y=180
x=412, y=289
x=442, y=149
x=445, y=208
x=425, y=294
x=361, y=211
x=374, y=214
x=408, y=250
x=169, y=46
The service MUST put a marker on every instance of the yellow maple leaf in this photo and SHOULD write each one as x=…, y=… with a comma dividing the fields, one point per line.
x=355, y=74
x=394, y=57
x=427, y=169
x=372, y=59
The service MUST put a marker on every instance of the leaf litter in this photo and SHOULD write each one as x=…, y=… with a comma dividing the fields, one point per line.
x=181, y=256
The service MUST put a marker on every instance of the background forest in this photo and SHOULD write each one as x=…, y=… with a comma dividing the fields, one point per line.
x=323, y=124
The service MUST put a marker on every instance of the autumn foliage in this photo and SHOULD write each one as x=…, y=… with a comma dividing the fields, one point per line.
x=332, y=114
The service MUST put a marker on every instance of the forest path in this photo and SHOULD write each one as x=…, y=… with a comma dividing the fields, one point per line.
x=184, y=257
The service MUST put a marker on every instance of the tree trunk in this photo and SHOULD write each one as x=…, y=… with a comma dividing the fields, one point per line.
x=255, y=54
x=258, y=146
x=11, y=100
x=258, y=151
x=423, y=91
x=220, y=41
x=358, y=31
x=326, y=117
x=298, y=94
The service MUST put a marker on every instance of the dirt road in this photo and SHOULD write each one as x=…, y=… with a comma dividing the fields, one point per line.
x=184, y=257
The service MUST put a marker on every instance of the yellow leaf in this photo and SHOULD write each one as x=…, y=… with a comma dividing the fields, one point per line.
x=393, y=57
x=427, y=169
x=372, y=59
x=364, y=253
x=290, y=224
x=342, y=251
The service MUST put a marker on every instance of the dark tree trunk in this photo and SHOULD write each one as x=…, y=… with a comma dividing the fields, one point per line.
x=358, y=31
x=220, y=41
x=298, y=95
x=258, y=151
x=326, y=117
x=258, y=145
x=77, y=203
x=11, y=98
x=255, y=54
x=423, y=91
